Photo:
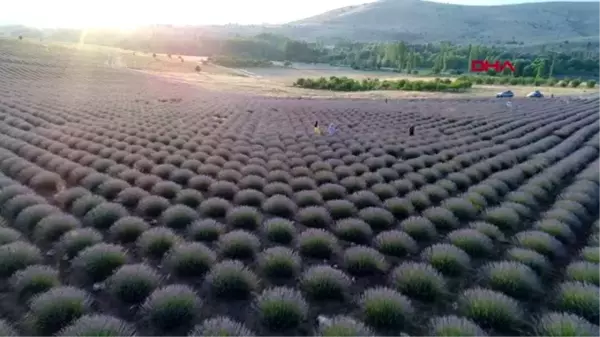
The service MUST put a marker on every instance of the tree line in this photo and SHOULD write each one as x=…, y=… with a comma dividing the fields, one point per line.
x=557, y=59
x=334, y=83
x=451, y=59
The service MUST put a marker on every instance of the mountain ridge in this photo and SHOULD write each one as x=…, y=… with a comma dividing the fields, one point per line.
x=430, y=21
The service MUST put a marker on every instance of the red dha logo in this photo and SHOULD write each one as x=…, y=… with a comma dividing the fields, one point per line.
x=479, y=66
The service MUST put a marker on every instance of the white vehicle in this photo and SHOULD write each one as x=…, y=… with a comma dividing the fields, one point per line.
x=535, y=94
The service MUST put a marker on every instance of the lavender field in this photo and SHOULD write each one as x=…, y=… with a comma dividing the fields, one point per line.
x=131, y=205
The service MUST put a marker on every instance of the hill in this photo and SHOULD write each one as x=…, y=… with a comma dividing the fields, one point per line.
x=424, y=21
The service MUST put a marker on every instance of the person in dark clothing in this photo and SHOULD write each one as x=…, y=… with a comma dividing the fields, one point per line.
x=411, y=130
x=386, y=100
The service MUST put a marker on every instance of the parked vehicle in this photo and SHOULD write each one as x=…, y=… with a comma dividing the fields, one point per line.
x=507, y=93
x=535, y=94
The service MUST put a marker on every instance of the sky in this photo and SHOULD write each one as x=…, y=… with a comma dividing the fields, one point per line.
x=128, y=13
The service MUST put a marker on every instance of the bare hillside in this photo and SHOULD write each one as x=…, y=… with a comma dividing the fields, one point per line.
x=429, y=21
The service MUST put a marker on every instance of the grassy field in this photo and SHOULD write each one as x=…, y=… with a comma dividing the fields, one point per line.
x=142, y=204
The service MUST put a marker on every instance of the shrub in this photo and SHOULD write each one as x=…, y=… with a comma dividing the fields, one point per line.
x=340, y=209
x=488, y=229
x=238, y=244
x=447, y=259
x=84, y=204
x=244, y=217
x=377, y=218
x=563, y=324
x=512, y=278
x=384, y=191
x=201, y=183
x=362, y=261
x=322, y=283
x=591, y=254
x=28, y=219
x=98, y=325
x=171, y=307
x=490, y=309
x=206, y=230
x=419, y=280
x=302, y=184
x=230, y=279
x=12, y=191
x=454, y=326
x=214, y=207
x=317, y=243
x=220, y=326
x=52, y=227
x=436, y=193
x=419, y=228
x=353, y=230
x=541, y=242
x=395, y=243
x=252, y=182
x=112, y=188
x=507, y=219
x=6, y=329
x=278, y=230
x=419, y=200
x=14, y=206
x=353, y=184
x=472, y=242
x=557, y=229
x=76, y=240
x=580, y=299
x=280, y=206
x=189, y=260
x=152, y=206
x=442, y=218
x=34, y=280
x=99, y=261
x=178, y=217
x=314, y=216
x=386, y=309
x=189, y=197
x=56, y=308
x=9, y=235
x=401, y=208
x=16, y=256
x=223, y=189
x=364, y=199
x=332, y=191
x=343, y=326
x=132, y=283
x=279, y=262
x=165, y=189
x=461, y=208
x=155, y=242
x=130, y=197
x=536, y=261
x=104, y=215
x=278, y=188
x=281, y=308
x=250, y=198
x=590, y=85
x=128, y=229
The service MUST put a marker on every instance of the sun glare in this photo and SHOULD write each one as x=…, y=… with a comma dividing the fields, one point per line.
x=127, y=14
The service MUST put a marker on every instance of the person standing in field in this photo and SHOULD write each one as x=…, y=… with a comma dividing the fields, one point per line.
x=317, y=129
x=331, y=129
x=411, y=130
